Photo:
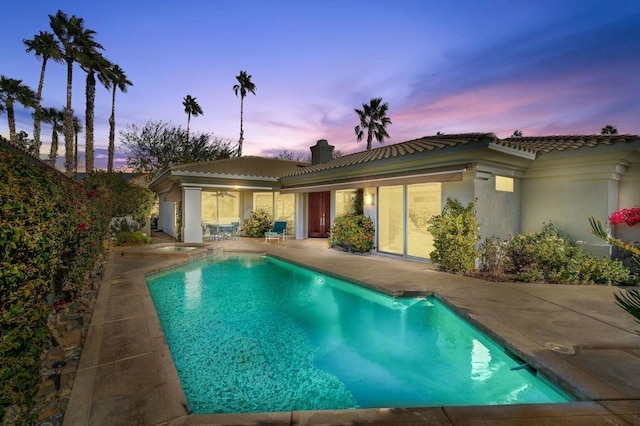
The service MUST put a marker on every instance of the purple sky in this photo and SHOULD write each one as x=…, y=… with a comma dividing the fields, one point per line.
x=544, y=67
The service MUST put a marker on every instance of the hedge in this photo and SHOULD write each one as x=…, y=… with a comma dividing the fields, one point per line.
x=51, y=233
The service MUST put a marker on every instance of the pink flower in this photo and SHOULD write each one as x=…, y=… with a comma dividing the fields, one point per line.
x=629, y=216
x=82, y=227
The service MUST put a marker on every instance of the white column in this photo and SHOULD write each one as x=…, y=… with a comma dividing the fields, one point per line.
x=191, y=214
x=301, y=216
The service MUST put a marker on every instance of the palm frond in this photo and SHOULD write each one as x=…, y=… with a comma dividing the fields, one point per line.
x=629, y=300
x=597, y=229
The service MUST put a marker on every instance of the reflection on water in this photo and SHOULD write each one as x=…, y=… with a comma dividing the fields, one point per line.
x=193, y=289
x=255, y=334
x=480, y=362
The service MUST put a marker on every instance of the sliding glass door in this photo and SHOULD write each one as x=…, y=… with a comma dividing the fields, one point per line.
x=403, y=213
x=423, y=202
x=391, y=219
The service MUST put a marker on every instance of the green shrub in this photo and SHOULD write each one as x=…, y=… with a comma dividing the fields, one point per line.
x=257, y=223
x=492, y=255
x=353, y=232
x=124, y=197
x=549, y=256
x=543, y=255
x=129, y=238
x=594, y=270
x=455, y=233
x=51, y=233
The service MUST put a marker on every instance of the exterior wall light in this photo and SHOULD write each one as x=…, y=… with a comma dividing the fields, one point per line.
x=368, y=199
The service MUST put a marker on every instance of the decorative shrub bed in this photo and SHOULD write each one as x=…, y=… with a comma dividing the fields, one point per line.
x=353, y=232
x=543, y=256
x=257, y=223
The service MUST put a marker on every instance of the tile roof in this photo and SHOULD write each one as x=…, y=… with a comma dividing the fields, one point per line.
x=424, y=144
x=536, y=145
x=546, y=144
x=243, y=166
x=251, y=166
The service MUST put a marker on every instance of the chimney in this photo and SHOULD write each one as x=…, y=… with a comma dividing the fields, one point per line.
x=321, y=152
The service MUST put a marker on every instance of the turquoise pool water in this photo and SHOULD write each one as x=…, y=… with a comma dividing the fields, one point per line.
x=249, y=333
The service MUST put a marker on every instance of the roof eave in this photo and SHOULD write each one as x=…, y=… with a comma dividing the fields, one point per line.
x=154, y=184
x=512, y=151
x=184, y=173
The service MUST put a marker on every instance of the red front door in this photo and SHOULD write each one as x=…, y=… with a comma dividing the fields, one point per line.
x=319, y=214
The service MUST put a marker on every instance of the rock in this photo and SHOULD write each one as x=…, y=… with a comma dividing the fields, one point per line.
x=68, y=326
x=12, y=414
x=72, y=339
x=49, y=411
x=68, y=370
x=72, y=316
x=63, y=392
x=54, y=355
x=72, y=325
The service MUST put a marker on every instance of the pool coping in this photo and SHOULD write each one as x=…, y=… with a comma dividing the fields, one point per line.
x=126, y=371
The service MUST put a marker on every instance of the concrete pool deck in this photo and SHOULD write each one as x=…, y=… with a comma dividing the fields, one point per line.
x=576, y=336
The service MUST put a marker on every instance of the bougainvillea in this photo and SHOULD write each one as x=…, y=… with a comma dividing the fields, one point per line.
x=51, y=232
x=629, y=216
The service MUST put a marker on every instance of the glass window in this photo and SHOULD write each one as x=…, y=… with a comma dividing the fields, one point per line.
x=403, y=215
x=344, y=201
x=281, y=207
x=221, y=207
x=263, y=200
x=285, y=209
x=504, y=184
x=423, y=202
x=391, y=219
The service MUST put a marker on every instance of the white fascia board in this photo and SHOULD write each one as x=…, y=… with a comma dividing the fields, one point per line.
x=361, y=183
x=157, y=181
x=234, y=187
x=223, y=176
x=512, y=151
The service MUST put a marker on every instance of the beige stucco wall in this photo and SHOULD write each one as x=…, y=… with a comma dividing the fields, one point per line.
x=167, y=217
x=569, y=190
x=498, y=211
x=629, y=197
x=461, y=190
x=568, y=201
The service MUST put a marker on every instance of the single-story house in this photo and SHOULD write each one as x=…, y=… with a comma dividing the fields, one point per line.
x=518, y=183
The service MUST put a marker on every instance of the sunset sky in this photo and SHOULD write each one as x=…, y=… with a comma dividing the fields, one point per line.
x=543, y=67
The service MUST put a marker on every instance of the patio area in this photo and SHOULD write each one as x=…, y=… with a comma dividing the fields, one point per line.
x=575, y=336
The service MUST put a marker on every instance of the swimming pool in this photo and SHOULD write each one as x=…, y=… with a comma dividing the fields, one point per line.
x=250, y=333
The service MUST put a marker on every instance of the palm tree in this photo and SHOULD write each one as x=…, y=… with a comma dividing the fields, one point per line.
x=191, y=107
x=116, y=79
x=244, y=86
x=44, y=46
x=12, y=91
x=77, y=128
x=373, y=118
x=55, y=117
x=72, y=37
x=609, y=130
x=92, y=62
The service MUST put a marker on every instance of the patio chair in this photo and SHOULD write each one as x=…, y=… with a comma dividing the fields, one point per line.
x=214, y=232
x=236, y=230
x=279, y=230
